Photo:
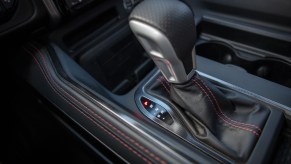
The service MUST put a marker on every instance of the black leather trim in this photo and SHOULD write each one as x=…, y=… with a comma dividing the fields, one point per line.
x=89, y=111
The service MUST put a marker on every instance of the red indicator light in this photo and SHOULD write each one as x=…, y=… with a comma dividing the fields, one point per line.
x=146, y=103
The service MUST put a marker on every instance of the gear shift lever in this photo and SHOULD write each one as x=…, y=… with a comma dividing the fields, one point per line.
x=221, y=118
x=166, y=29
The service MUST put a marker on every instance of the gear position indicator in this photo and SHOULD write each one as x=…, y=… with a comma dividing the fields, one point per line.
x=156, y=110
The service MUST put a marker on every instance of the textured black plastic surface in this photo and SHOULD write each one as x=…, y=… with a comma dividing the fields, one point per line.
x=174, y=19
x=283, y=154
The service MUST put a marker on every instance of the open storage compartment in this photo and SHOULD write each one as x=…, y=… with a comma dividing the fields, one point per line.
x=118, y=63
x=104, y=46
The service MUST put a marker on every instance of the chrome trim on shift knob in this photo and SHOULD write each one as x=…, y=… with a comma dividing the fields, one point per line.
x=162, y=52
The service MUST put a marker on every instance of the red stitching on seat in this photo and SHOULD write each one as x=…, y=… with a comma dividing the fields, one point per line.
x=85, y=114
x=137, y=144
x=243, y=128
x=250, y=125
x=157, y=158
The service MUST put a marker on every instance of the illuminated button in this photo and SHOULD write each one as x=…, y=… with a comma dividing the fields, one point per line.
x=147, y=104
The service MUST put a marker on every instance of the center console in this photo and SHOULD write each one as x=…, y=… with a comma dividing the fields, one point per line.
x=224, y=121
x=104, y=80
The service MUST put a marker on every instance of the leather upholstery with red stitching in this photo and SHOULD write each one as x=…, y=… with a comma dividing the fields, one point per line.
x=129, y=143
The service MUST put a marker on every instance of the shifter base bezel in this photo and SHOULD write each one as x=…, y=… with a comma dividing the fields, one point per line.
x=264, y=145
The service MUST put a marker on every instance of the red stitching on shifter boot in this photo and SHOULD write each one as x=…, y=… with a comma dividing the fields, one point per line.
x=245, y=124
x=163, y=84
x=164, y=79
x=243, y=128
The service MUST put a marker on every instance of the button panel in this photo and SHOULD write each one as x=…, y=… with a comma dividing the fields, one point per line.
x=157, y=110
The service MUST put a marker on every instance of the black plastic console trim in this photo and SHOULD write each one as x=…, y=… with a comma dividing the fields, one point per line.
x=126, y=134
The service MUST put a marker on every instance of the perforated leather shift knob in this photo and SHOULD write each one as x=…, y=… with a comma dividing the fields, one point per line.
x=166, y=29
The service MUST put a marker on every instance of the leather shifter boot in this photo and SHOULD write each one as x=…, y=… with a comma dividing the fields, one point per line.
x=226, y=121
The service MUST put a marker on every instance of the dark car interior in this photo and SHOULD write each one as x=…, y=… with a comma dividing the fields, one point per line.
x=145, y=81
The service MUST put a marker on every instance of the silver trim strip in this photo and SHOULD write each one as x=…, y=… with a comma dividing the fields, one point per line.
x=162, y=52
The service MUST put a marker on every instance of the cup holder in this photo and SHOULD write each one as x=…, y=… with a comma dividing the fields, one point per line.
x=217, y=51
x=273, y=69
